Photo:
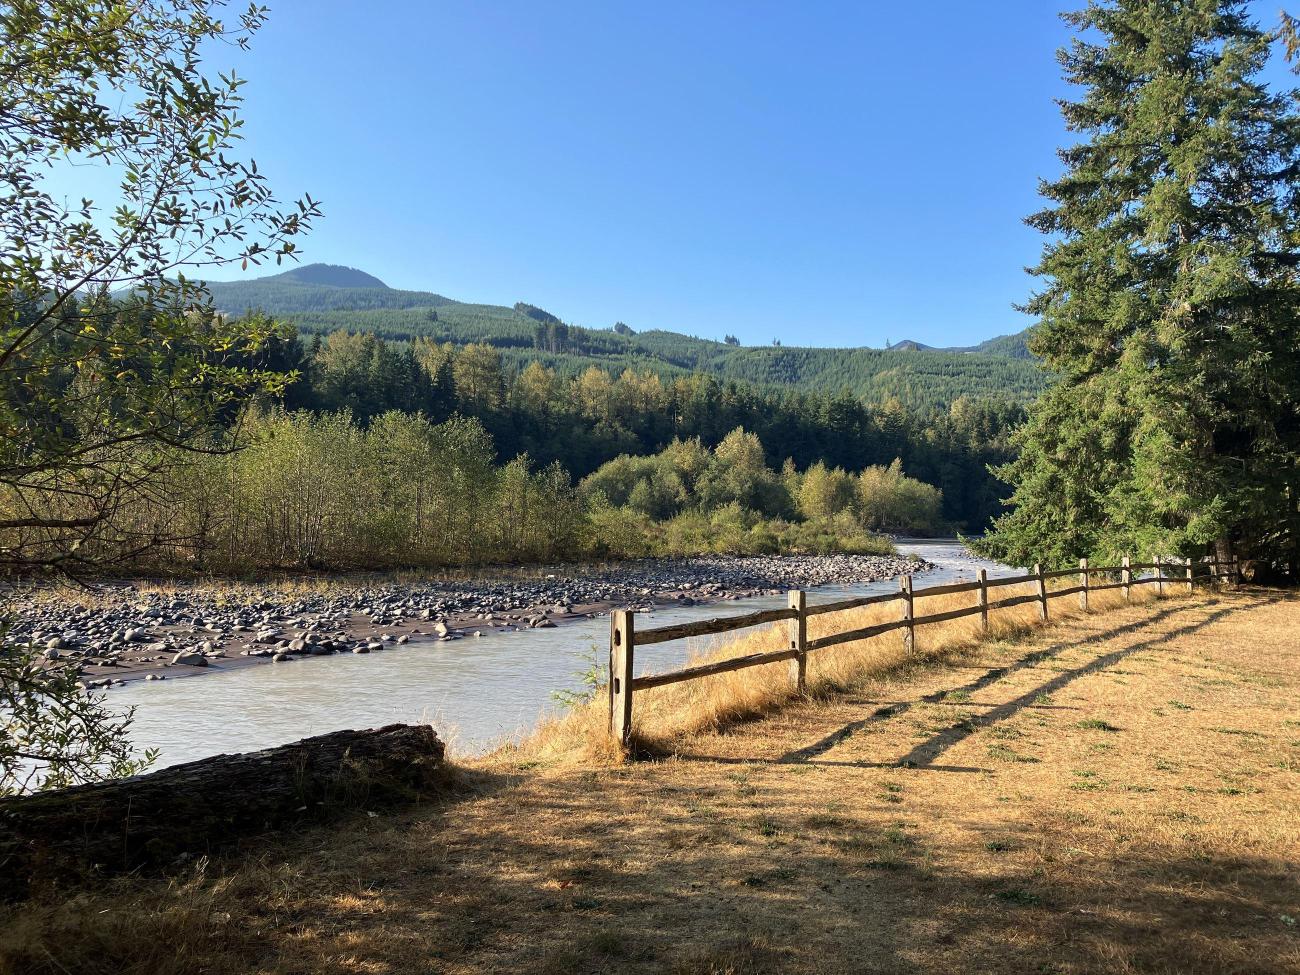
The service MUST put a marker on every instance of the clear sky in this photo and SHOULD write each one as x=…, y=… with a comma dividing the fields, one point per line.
x=825, y=173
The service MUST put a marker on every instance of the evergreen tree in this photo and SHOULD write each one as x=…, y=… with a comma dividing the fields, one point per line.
x=1170, y=301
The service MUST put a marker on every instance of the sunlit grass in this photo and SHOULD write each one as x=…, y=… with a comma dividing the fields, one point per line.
x=665, y=716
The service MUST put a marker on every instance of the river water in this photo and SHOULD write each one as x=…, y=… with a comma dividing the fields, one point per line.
x=477, y=692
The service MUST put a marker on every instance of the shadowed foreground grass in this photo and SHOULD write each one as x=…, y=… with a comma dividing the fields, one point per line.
x=1115, y=793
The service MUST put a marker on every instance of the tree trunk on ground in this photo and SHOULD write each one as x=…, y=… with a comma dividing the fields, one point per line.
x=199, y=807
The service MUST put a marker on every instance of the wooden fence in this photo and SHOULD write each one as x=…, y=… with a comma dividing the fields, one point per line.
x=624, y=638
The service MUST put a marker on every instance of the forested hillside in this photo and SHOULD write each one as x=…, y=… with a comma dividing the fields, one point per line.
x=586, y=419
x=322, y=299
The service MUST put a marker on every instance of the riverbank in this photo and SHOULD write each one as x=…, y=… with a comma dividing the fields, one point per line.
x=117, y=632
x=1113, y=793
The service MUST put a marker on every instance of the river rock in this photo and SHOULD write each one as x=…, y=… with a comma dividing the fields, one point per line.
x=190, y=658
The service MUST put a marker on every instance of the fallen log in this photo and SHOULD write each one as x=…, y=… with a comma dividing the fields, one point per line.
x=199, y=807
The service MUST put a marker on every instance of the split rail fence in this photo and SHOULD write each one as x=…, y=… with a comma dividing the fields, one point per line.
x=624, y=638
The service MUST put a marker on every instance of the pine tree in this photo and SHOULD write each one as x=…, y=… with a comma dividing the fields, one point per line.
x=1170, y=300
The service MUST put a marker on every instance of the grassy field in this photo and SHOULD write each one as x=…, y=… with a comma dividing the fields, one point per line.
x=1115, y=793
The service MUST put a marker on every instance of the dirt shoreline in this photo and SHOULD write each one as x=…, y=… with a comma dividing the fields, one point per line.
x=121, y=632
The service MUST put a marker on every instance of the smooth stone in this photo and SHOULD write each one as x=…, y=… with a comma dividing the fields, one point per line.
x=190, y=658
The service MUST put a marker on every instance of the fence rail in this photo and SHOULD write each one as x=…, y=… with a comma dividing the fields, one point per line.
x=624, y=637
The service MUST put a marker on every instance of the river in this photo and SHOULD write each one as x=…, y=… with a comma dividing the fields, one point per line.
x=477, y=692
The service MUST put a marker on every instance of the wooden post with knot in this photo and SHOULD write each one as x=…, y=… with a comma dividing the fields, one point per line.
x=621, y=641
x=798, y=602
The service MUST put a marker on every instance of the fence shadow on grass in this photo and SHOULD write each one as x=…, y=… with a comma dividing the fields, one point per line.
x=926, y=752
x=995, y=674
x=923, y=756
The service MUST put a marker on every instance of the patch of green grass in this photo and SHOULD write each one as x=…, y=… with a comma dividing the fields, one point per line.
x=998, y=846
x=885, y=863
x=771, y=876
x=746, y=956
x=957, y=697
x=1096, y=724
x=1237, y=731
x=1004, y=754
x=1260, y=681
x=1180, y=705
x=824, y=821
x=766, y=827
x=591, y=953
x=1019, y=896
x=892, y=793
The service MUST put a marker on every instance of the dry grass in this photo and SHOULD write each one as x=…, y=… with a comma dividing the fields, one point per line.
x=665, y=716
x=1114, y=794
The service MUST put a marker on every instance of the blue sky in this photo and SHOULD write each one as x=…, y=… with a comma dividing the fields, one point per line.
x=825, y=173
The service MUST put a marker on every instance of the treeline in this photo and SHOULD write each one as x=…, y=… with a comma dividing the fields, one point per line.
x=922, y=380
x=320, y=491
x=582, y=421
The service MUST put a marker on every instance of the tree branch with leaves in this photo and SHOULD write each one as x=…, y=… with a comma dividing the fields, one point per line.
x=112, y=363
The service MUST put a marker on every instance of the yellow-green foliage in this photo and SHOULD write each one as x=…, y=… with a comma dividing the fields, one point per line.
x=319, y=491
x=733, y=492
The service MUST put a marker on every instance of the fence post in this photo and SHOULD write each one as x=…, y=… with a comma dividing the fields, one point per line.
x=1191, y=585
x=1160, y=576
x=909, y=631
x=1126, y=579
x=1083, y=581
x=984, y=600
x=621, y=643
x=1236, y=569
x=1042, y=591
x=799, y=638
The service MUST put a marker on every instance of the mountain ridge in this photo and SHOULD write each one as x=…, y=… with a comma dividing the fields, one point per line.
x=915, y=374
x=328, y=275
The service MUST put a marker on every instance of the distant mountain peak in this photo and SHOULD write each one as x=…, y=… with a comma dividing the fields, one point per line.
x=333, y=275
